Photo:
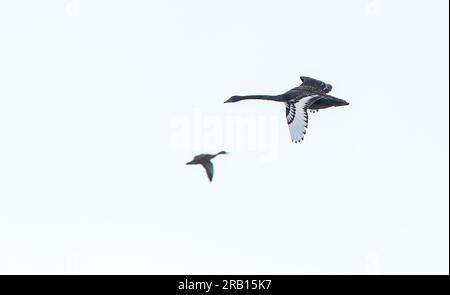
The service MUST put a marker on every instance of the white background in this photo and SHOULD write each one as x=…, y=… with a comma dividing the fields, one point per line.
x=92, y=164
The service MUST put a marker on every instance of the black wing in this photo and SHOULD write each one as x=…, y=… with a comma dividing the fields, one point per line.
x=316, y=85
x=209, y=169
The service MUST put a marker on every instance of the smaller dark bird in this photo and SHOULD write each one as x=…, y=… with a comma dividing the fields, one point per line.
x=205, y=161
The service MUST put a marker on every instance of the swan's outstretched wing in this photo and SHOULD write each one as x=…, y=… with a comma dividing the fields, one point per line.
x=297, y=116
x=316, y=85
x=209, y=169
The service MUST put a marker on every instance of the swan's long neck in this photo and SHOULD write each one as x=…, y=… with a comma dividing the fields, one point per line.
x=260, y=97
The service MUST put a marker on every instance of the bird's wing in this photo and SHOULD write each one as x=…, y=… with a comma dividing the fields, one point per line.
x=297, y=116
x=209, y=169
x=316, y=85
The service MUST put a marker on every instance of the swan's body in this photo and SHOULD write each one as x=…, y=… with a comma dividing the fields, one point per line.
x=312, y=94
x=205, y=161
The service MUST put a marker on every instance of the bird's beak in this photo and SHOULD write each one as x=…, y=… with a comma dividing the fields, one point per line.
x=227, y=101
x=189, y=163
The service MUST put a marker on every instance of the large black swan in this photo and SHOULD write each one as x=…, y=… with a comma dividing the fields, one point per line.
x=311, y=94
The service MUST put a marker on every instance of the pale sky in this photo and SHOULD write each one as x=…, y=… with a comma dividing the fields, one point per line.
x=103, y=102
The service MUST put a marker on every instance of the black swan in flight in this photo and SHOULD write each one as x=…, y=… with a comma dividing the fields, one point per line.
x=205, y=161
x=311, y=94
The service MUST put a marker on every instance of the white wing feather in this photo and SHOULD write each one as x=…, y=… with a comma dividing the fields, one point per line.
x=297, y=117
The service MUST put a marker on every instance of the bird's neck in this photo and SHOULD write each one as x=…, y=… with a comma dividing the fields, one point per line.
x=260, y=97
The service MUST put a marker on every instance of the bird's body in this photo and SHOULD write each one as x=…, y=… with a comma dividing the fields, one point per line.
x=312, y=94
x=205, y=161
